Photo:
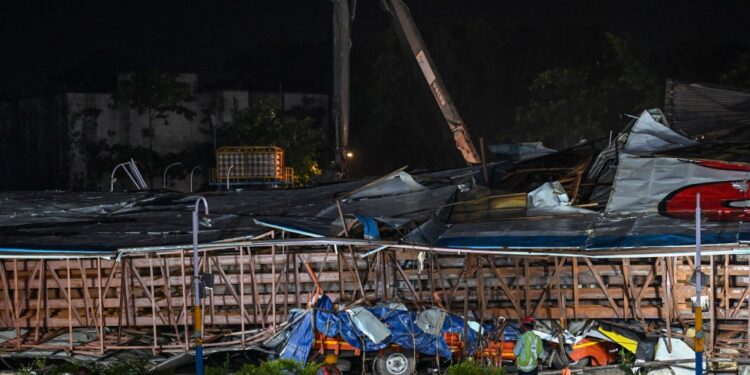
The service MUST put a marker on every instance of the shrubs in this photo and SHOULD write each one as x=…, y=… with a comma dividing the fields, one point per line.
x=473, y=368
x=118, y=367
x=275, y=367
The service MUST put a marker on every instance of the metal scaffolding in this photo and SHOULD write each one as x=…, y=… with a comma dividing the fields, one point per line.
x=142, y=298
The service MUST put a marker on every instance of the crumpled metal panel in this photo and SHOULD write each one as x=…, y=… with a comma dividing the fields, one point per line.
x=649, y=136
x=641, y=183
x=368, y=324
x=398, y=182
x=431, y=321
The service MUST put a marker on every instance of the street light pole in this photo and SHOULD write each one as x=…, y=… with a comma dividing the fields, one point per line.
x=229, y=171
x=698, y=305
x=164, y=178
x=197, y=311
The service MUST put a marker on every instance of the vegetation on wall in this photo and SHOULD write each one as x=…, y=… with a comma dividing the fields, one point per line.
x=157, y=95
x=264, y=123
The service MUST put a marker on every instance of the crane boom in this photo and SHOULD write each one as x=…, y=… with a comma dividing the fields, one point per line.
x=408, y=29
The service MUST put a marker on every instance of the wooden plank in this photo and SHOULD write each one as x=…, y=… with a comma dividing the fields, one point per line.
x=604, y=287
x=627, y=291
x=236, y=296
x=59, y=283
x=561, y=297
x=575, y=288
x=504, y=286
x=527, y=287
x=544, y=292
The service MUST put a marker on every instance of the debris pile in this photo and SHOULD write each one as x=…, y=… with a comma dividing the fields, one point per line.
x=594, y=241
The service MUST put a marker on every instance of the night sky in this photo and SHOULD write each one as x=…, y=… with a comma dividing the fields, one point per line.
x=53, y=46
x=45, y=43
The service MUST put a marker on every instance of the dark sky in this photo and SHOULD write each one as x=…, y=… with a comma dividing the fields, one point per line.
x=42, y=41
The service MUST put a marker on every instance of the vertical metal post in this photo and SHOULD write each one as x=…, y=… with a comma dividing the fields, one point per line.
x=698, y=307
x=70, y=306
x=242, y=296
x=273, y=285
x=197, y=313
x=341, y=48
x=228, y=174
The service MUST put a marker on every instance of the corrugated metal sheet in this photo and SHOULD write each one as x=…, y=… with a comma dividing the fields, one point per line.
x=706, y=110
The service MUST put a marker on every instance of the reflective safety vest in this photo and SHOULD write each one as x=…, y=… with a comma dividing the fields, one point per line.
x=528, y=348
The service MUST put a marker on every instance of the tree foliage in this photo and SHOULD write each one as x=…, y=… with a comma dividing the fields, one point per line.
x=155, y=94
x=571, y=103
x=274, y=367
x=264, y=123
x=739, y=74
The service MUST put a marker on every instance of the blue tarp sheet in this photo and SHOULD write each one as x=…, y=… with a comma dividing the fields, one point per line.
x=406, y=333
x=402, y=324
x=370, y=227
x=300, y=340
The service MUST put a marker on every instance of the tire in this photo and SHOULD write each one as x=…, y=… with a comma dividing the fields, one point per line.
x=560, y=361
x=392, y=362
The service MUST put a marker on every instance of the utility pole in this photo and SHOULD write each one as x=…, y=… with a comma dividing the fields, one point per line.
x=342, y=43
x=698, y=285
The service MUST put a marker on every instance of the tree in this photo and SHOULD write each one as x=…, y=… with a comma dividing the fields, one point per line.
x=739, y=73
x=155, y=94
x=571, y=103
x=264, y=123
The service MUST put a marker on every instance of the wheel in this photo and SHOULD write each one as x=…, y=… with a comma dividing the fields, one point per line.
x=391, y=362
x=560, y=361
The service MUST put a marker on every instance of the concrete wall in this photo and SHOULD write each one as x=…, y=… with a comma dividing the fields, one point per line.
x=41, y=139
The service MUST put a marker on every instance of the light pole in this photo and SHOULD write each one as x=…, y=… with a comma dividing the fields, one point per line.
x=197, y=311
x=191, y=176
x=112, y=178
x=228, y=173
x=164, y=178
x=698, y=305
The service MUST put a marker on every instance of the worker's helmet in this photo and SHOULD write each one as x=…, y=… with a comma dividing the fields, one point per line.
x=529, y=321
x=330, y=359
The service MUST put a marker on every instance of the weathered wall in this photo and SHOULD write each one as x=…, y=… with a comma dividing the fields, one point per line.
x=42, y=140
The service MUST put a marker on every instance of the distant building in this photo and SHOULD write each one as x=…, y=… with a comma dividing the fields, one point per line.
x=43, y=139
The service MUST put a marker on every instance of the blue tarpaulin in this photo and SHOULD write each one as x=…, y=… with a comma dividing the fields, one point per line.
x=370, y=227
x=326, y=320
x=402, y=324
x=300, y=340
x=406, y=333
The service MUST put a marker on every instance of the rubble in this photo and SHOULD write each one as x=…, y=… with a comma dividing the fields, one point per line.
x=593, y=241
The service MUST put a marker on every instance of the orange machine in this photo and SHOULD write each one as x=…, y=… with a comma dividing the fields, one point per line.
x=585, y=352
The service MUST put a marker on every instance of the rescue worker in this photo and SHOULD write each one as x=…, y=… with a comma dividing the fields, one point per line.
x=329, y=366
x=528, y=348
